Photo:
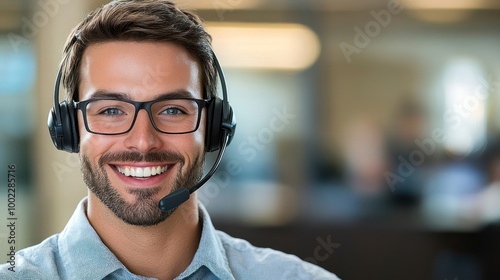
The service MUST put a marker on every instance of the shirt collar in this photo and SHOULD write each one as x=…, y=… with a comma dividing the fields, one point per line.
x=83, y=252
x=210, y=253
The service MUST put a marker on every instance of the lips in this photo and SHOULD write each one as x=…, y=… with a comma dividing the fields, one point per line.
x=142, y=172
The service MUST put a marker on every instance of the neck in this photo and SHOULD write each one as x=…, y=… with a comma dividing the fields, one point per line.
x=162, y=251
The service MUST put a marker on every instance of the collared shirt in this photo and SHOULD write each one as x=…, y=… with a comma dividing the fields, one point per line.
x=78, y=253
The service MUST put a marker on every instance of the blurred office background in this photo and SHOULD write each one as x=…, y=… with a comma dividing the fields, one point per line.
x=367, y=130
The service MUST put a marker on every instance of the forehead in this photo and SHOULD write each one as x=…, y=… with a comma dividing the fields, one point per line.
x=140, y=70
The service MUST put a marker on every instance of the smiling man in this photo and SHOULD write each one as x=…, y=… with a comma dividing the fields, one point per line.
x=141, y=80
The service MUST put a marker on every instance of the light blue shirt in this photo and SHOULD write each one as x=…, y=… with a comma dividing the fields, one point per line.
x=78, y=253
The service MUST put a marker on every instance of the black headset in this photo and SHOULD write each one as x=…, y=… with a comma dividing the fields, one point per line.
x=63, y=125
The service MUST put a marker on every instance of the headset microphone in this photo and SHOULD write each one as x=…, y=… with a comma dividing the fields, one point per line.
x=222, y=124
x=181, y=195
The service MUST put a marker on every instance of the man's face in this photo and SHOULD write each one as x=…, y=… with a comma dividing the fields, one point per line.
x=139, y=72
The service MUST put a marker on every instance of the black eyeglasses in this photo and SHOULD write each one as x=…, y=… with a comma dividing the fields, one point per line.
x=112, y=116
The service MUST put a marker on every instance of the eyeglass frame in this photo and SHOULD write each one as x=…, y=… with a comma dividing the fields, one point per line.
x=146, y=105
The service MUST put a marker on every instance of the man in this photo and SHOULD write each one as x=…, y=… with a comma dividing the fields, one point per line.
x=122, y=58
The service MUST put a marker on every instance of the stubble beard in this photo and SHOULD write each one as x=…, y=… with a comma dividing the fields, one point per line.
x=144, y=210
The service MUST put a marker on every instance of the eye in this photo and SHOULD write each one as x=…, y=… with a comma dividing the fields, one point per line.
x=172, y=111
x=111, y=111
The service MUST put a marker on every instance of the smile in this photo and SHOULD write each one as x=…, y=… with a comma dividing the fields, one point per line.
x=142, y=172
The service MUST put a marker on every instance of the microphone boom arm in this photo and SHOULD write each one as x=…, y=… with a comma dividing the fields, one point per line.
x=181, y=195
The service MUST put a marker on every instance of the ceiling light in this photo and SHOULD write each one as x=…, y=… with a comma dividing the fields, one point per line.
x=265, y=46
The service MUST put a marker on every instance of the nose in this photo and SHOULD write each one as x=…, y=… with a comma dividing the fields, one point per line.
x=143, y=137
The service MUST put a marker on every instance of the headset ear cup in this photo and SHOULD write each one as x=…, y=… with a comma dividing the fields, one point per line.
x=229, y=122
x=70, y=137
x=52, y=123
x=213, y=137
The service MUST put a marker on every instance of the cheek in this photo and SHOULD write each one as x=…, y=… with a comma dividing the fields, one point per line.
x=190, y=142
x=201, y=132
x=82, y=133
x=91, y=145
x=199, y=135
x=85, y=137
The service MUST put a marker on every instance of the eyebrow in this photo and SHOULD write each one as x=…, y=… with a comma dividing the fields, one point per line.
x=108, y=94
x=180, y=93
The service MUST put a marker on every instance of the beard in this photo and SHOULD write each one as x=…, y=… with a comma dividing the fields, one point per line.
x=144, y=210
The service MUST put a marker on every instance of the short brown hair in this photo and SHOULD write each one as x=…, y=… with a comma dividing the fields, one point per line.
x=139, y=20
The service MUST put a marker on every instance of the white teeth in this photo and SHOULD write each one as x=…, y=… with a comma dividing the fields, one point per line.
x=141, y=172
x=147, y=172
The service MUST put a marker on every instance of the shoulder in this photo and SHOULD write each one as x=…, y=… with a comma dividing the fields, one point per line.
x=36, y=262
x=249, y=262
